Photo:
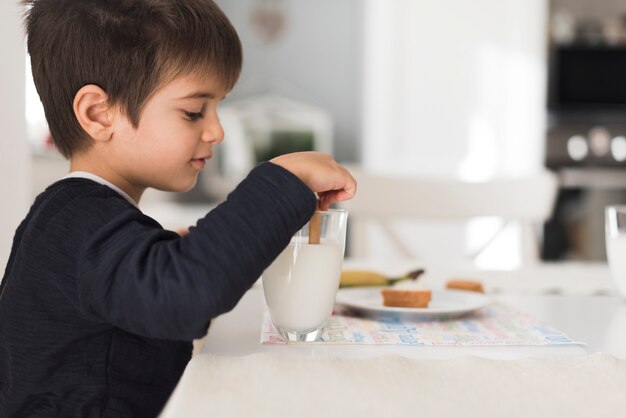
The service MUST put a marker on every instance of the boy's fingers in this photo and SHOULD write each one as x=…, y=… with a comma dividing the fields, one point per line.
x=345, y=191
x=333, y=196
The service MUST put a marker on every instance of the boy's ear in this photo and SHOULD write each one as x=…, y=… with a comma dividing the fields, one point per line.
x=93, y=112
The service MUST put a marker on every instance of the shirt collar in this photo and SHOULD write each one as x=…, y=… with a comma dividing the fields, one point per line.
x=98, y=179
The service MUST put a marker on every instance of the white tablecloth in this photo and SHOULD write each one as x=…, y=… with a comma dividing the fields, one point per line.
x=270, y=385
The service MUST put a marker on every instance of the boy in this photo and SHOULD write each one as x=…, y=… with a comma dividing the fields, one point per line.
x=99, y=303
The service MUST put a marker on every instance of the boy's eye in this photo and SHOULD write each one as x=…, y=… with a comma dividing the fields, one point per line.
x=192, y=116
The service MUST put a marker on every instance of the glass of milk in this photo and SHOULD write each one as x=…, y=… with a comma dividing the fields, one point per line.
x=301, y=284
x=615, y=220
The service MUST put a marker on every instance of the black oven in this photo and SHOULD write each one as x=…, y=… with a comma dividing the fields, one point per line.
x=585, y=145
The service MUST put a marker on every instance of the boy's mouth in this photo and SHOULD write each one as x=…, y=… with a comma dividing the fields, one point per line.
x=200, y=163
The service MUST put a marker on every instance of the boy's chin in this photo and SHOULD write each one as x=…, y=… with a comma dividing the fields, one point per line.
x=180, y=187
x=188, y=187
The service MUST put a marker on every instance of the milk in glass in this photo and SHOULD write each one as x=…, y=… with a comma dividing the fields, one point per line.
x=301, y=284
x=616, y=254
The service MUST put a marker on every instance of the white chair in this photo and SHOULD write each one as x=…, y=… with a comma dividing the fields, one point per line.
x=385, y=199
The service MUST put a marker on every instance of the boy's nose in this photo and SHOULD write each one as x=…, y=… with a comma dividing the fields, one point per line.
x=213, y=132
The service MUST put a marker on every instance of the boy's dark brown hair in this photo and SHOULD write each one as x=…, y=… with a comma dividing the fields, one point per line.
x=129, y=48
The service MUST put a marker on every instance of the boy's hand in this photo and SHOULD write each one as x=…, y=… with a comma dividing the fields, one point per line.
x=322, y=174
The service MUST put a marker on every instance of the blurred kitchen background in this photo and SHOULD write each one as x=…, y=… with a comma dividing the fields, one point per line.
x=425, y=88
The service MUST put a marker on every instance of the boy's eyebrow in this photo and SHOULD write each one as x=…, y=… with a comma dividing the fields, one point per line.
x=199, y=95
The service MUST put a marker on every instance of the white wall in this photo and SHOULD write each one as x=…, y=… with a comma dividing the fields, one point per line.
x=454, y=88
x=15, y=160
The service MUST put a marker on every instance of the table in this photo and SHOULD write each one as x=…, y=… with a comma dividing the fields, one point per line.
x=234, y=375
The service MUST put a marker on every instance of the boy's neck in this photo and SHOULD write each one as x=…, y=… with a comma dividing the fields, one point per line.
x=83, y=162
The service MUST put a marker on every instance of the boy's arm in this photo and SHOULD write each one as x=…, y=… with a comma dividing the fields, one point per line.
x=154, y=283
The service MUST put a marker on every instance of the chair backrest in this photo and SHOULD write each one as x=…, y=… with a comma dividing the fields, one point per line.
x=385, y=198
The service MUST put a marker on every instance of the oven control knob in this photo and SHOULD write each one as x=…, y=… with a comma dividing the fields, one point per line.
x=577, y=147
x=599, y=141
x=618, y=148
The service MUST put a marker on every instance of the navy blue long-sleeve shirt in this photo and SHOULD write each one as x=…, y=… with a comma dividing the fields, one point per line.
x=99, y=303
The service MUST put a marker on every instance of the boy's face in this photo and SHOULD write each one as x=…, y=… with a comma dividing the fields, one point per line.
x=176, y=133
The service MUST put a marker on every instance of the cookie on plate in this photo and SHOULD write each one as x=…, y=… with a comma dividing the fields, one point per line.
x=406, y=298
x=465, y=284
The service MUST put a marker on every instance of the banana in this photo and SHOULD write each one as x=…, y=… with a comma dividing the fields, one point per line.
x=362, y=278
x=351, y=278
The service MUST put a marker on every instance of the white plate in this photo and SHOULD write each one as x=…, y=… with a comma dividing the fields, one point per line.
x=444, y=303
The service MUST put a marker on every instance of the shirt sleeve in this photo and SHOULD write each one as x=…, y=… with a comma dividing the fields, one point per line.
x=149, y=281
